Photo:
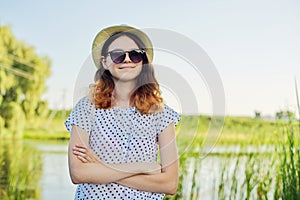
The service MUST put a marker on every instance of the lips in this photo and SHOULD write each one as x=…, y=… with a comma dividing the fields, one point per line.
x=126, y=67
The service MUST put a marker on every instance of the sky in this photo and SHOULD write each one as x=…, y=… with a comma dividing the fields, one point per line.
x=254, y=45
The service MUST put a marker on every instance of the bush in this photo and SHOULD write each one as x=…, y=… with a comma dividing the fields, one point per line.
x=14, y=118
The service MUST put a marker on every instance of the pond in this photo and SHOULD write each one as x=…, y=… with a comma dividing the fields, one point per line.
x=32, y=169
x=55, y=180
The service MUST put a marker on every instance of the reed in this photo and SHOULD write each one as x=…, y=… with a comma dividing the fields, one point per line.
x=20, y=171
x=288, y=181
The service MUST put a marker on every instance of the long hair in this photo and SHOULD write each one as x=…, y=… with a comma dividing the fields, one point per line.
x=146, y=96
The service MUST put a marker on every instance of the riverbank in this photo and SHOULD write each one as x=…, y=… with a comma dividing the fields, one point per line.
x=191, y=129
x=46, y=134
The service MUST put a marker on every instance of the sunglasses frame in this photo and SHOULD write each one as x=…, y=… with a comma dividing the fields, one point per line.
x=140, y=52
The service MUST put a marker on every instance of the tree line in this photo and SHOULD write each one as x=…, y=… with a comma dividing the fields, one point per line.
x=23, y=75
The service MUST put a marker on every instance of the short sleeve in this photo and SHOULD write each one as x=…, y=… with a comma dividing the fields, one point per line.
x=166, y=117
x=82, y=115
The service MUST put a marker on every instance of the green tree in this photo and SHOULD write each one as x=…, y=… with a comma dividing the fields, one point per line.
x=285, y=115
x=257, y=114
x=290, y=115
x=279, y=115
x=23, y=74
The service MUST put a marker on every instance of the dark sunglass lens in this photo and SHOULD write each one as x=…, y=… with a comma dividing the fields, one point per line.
x=117, y=56
x=136, y=56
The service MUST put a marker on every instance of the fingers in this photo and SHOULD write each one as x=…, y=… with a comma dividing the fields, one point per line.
x=82, y=159
x=80, y=148
x=80, y=152
x=81, y=156
x=84, y=154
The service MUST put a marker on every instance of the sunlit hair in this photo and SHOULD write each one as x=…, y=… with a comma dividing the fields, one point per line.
x=146, y=97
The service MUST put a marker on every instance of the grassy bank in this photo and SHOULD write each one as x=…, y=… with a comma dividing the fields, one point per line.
x=51, y=128
x=192, y=130
x=242, y=131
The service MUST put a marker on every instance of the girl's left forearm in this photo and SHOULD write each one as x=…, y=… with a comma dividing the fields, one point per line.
x=165, y=182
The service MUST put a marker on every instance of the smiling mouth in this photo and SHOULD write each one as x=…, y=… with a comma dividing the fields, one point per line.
x=126, y=67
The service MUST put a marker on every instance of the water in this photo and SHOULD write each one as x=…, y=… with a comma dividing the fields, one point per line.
x=41, y=165
x=55, y=180
x=43, y=168
x=231, y=171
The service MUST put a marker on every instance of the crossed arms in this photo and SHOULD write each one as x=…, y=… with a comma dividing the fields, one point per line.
x=86, y=167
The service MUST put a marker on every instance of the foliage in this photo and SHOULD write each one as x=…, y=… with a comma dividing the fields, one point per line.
x=20, y=171
x=285, y=115
x=288, y=182
x=14, y=117
x=22, y=80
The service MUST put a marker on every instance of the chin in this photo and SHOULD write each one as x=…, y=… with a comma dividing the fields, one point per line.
x=127, y=78
x=131, y=76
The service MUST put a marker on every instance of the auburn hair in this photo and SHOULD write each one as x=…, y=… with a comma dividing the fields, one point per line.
x=146, y=97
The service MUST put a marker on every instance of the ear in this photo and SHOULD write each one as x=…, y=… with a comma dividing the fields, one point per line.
x=103, y=61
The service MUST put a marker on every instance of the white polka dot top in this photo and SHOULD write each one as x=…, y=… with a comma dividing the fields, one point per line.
x=119, y=135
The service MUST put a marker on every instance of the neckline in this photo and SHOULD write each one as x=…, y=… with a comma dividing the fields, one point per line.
x=120, y=108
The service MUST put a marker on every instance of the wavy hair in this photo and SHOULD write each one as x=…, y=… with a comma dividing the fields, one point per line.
x=146, y=97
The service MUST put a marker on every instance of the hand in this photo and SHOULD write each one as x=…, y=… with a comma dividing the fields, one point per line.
x=85, y=154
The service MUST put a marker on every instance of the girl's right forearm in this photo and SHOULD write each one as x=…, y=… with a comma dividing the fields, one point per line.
x=99, y=173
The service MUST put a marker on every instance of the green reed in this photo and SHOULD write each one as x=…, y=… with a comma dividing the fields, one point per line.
x=20, y=171
x=250, y=178
x=258, y=175
x=261, y=176
x=288, y=181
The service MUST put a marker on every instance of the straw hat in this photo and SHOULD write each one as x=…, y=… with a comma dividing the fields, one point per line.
x=105, y=33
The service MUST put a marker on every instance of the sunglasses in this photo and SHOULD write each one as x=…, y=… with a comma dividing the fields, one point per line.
x=118, y=56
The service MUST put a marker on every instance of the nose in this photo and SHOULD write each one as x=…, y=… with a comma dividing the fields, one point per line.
x=127, y=59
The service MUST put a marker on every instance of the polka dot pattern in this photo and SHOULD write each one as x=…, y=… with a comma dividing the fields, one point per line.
x=120, y=136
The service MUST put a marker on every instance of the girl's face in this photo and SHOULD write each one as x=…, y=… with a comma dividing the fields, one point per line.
x=126, y=70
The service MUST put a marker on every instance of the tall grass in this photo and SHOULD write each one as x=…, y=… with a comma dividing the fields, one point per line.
x=250, y=178
x=259, y=175
x=20, y=171
x=288, y=182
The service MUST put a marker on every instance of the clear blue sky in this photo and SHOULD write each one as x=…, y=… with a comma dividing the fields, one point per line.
x=255, y=45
